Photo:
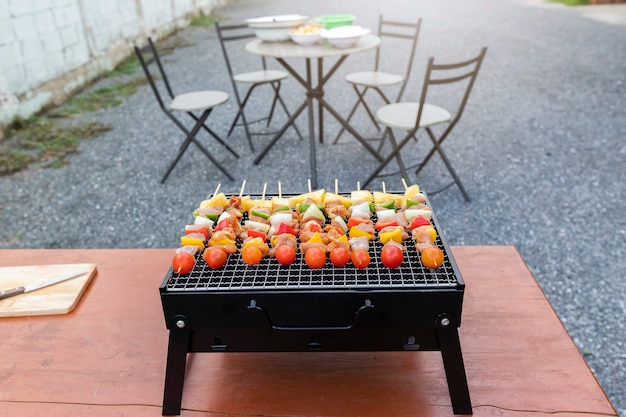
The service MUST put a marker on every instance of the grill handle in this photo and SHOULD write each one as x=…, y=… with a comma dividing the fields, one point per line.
x=367, y=304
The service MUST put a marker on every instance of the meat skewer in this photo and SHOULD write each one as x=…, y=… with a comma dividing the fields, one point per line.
x=196, y=235
x=283, y=230
x=423, y=232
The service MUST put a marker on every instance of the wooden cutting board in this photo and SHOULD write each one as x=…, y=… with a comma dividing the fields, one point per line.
x=59, y=298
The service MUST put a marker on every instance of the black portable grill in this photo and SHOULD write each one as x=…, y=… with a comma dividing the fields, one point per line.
x=273, y=308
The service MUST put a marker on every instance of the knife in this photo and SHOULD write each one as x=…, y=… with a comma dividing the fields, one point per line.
x=28, y=288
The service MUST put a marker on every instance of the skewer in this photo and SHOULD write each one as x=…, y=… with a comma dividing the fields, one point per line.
x=264, y=189
x=309, y=181
x=384, y=188
x=243, y=185
x=280, y=190
x=404, y=183
x=336, y=186
x=358, y=185
x=216, y=190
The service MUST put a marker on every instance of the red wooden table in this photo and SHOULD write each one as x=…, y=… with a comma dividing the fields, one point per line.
x=107, y=357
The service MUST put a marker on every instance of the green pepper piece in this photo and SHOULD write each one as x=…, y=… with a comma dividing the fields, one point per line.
x=260, y=214
x=302, y=207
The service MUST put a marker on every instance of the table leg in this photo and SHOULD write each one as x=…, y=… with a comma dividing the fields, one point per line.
x=320, y=90
x=309, y=99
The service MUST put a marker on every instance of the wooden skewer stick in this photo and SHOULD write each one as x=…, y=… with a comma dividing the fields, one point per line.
x=216, y=190
x=309, y=181
x=243, y=185
x=264, y=189
x=404, y=183
x=280, y=191
x=358, y=185
x=384, y=188
x=336, y=186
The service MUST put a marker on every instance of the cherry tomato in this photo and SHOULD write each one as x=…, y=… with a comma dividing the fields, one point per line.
x=360, y=258
x=391, y=256
x=215, y=257
x=432, y=257
x=315, y=258
x=251, y=255
x=183, y=263
x=339, y=256
x=285, y=254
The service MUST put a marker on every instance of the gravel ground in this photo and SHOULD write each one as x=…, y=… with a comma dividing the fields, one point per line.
x=540, y=149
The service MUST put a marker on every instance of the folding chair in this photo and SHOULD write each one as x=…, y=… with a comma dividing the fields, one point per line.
x=377, y=79
x=196, y=101
x=411, y=116
x=239, y=32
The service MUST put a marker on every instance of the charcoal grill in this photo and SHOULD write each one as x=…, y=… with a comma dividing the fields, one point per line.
x=274, y=308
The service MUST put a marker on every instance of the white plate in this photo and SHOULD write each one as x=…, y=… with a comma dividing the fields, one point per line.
x=280, y=21
x=345, y=32
x=344, y=36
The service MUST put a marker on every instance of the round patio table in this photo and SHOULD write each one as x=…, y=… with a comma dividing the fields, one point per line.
x=284, y=50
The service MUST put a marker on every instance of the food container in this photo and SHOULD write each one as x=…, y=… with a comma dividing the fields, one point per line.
x=306, y=35
x=275, y=28
x=344, y=36
x=331, y=21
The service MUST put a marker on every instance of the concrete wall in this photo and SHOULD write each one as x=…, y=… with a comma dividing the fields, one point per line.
x=51, y=48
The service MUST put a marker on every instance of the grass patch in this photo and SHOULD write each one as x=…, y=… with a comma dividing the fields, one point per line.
x=203, y=21
x=44, y=142
x=126, y=67
x=571, y=2
x=102, y=98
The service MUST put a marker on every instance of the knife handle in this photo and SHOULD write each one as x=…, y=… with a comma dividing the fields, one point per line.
x=11, y=292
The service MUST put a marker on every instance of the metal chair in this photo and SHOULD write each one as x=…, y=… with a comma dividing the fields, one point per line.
x=412, y=116
x=239, y=32
x=196, y=101
x=378, y=79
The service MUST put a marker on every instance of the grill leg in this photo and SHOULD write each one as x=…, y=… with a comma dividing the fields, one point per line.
x=450, y=346
x=175, y=370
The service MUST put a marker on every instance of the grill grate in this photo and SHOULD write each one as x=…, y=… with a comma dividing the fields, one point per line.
x=270, y=275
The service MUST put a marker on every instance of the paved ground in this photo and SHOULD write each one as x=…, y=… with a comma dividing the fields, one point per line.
x=540, y=148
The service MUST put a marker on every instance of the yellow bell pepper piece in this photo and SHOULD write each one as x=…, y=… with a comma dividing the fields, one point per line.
x=220, y=242
x=257, y=241
x=342, y=239
x=191, y=241
x=316, y=238
x=356, y=232
x=433, y=232
x=395, y=235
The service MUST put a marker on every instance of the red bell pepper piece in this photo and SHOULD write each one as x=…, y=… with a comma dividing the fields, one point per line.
x=419, y=221
x=257, y=233
x=285, y=228
x=202, y=230
x=381, y=224
x=353, y=221
x=221, y=225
